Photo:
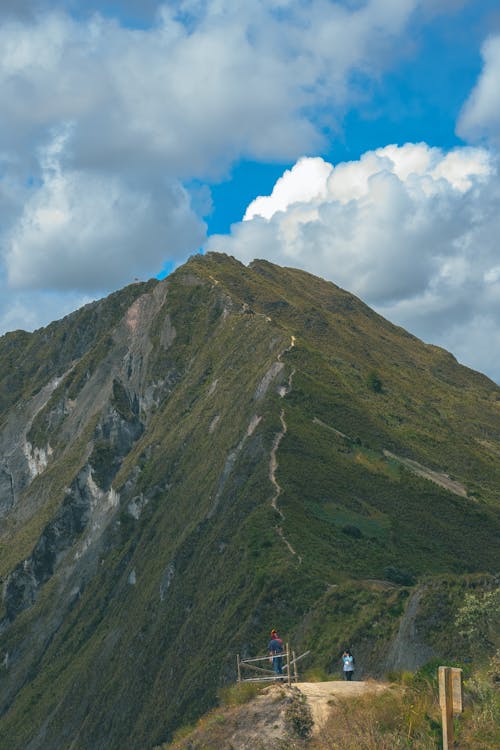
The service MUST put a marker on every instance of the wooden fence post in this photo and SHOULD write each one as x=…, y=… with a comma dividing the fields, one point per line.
x=287, y=657
x=457, y=691
x=295, y=673
x=450, y=700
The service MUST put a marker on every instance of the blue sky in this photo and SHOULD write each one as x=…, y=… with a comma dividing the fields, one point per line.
x=356, y=139
x=420, y=100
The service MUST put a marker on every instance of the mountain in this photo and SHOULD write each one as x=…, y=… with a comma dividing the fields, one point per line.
x=190, y=462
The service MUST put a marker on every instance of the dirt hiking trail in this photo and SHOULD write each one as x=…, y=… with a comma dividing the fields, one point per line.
x=321, y=695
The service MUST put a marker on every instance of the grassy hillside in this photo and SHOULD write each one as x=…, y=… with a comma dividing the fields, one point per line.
x=231, y=451
x=405, y=715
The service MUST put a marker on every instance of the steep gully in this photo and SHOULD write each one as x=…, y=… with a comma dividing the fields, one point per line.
x=273, y=463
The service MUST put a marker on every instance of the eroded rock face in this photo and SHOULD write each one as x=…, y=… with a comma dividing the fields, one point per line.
x=15, y=471
x=20, y=461
x=22, y=585
x=6, y=490
x=38, y=458
x=113, y=439
x=409, y=650
x=116, y=388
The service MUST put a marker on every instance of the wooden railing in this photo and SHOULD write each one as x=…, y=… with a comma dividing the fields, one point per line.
x=288, y=674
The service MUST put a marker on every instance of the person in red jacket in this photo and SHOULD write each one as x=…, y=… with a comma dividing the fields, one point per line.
x=275, y=649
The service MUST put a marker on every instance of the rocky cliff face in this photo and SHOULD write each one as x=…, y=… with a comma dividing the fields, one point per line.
x=190, y=461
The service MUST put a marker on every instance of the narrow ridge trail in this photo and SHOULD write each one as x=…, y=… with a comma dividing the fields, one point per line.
x=273, y=463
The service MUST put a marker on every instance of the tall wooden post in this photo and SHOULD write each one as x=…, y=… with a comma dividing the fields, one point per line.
x=450, y=700
x=446, y=703
x=457, y=691
x=295, y=673
x=288, y=664
x=238, y=666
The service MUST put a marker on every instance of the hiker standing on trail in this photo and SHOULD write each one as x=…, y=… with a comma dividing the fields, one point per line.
x=348, y=664
x=275, y=648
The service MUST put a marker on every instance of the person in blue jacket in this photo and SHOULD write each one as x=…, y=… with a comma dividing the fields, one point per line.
x=348, y=664
x=275, y=649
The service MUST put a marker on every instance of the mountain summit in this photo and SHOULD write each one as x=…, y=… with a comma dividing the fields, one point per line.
x=190, y=462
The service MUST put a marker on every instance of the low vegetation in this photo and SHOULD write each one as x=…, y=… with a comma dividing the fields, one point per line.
x=407, y=716
x=404, y=717
x=249, y=716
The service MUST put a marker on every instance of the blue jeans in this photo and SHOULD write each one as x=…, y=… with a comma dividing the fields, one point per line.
x=277, y=664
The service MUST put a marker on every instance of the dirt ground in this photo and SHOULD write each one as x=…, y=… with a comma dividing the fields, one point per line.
x=320, y=695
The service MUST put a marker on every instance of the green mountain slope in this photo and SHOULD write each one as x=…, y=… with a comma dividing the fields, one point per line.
x=190, y=462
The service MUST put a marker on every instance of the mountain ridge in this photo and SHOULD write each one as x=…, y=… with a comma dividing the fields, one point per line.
x=140, y=542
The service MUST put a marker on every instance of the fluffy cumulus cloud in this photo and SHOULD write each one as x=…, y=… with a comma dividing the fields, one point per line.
x=103, y=122
x=80, y=227
x=410, y=229
x=110, y=109
x=480, y=118
x=209, y=82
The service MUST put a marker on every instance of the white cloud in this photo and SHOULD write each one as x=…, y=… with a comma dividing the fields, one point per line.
x=480, y=117
x=88, y=231
x=306, y=180
x=410, y=229
x=208, y=83
x=143, y=109
x=33, y=309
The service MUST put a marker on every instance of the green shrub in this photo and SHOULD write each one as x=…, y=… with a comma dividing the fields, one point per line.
x=401, y=577
x=353, y=531
x=237, y=695
x=374, y=382
x=479, y=617
x=298, y=716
